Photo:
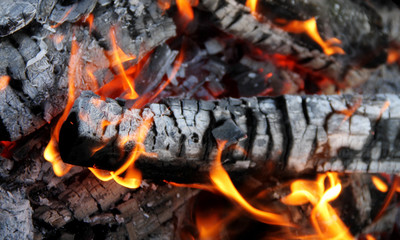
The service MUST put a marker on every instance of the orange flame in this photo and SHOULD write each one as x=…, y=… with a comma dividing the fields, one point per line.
x=51, y=152
x=252, y=4
x=64, y=17
x=132, y=177
x=379, y=184
x=119, y=57
x=350, y=111
x=185, y=9
x=309, y=27
x=223, y=183
x=4, y=81
x=89, y=19
x=324, y=218
x=164, y=4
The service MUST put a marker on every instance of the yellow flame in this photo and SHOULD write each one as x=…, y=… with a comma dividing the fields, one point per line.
x=223, y=183
x=252, y=4
x=379, y=184
x=309, y=27
x=324, y=218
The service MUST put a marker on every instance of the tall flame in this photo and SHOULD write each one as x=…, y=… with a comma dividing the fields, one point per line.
x=223, y=183
x=119, y=57
x=51, y=152
x=309, y=27
x=324, y=218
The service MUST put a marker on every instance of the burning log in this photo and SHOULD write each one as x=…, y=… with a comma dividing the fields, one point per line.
x=36, y=66
x=299, y=134
x=362, y=23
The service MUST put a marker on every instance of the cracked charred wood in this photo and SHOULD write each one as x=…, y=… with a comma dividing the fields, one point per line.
x=349, y=69
x=294, y=133
x=38, y=65
x=15, y=15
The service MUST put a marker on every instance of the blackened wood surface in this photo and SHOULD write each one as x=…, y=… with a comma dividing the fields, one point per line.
x=37, y=64
x=236, y=19
x=298, y=133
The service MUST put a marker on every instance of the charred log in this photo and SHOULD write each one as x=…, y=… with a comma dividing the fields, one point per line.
x=236, y=19
x=37, y=65
x=299, y=134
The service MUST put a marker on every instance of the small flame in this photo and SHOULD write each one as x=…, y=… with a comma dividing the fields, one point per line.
x=164, y=4
x=185, y=10
x=119, y=57
x=252, y=4
x=89, y=19
x=309, y=27
x=379, y=184
x=324, y=218
x=51, y=152
x=61, y=21
x=369, y=237
x=351, y=110
x=4, y=81
x=223, y=183
x=132, y=177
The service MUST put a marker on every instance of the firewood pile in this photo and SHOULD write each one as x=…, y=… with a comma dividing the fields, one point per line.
x=147, y=119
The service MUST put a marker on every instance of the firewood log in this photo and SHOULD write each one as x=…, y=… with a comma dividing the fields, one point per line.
x=37, y=64
x=294, y=133
x=357, y=25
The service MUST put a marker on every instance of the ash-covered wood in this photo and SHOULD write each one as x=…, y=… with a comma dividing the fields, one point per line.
x=15, y=215
x=236, y=19
x=322, y=133
x=38, y=63
x=15, y=15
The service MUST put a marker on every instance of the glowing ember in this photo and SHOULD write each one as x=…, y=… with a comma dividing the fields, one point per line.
x=252, y=4
x=223, y=183
x=51, y=152
x=379, y=184
x=7, y=147
x=309, y=27
x=324, y=218
x=4, y=80
x=393, y=56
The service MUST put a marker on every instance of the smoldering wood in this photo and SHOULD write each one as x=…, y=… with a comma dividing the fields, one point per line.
x=15, y=15
x=236, y=19
x=38, y=64
x=299, y=133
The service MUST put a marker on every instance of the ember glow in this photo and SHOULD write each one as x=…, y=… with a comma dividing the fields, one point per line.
x=4, y=81
x=324, y=218
x=309, y=27
x=185, y=9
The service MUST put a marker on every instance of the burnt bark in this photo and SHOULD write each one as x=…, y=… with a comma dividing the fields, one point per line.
x=296, y=133
x=354, y=23
x=37, y=64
